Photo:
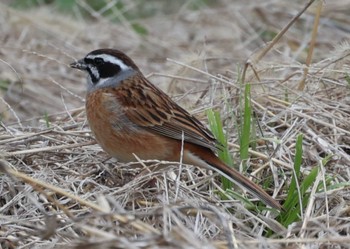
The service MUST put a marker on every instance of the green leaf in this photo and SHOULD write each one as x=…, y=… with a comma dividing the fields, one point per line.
x=65, y=5
x=4, y=84
x=139, y=29
x=347, y=78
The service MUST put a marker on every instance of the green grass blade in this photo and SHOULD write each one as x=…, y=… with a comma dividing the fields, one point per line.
x=246, y=127
x=47, y=120
x=298, y=196
x=216, y=127
x=293, y=188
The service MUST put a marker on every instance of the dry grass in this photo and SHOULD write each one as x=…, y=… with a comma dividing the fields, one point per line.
x=60, y=190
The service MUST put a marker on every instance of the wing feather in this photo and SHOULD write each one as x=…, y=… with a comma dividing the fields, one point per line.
x=149, y=107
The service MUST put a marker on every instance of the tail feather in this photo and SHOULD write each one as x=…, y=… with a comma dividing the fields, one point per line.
x=217, y=165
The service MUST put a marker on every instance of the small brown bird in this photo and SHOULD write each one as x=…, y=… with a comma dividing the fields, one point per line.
x=129, y=115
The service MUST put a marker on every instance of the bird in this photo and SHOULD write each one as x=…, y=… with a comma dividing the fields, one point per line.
x=128, y=116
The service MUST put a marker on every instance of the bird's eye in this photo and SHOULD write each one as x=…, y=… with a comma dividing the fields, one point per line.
x=98, y=61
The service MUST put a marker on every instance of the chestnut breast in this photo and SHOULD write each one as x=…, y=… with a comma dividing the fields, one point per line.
x=120, y=137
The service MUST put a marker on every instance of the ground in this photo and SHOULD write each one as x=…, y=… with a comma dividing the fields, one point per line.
x=60, y=190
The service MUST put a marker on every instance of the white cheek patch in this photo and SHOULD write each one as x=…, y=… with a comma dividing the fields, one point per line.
x=110, y=59
x=94, y=71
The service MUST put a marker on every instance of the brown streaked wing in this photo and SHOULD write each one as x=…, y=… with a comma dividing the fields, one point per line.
x=149, y=107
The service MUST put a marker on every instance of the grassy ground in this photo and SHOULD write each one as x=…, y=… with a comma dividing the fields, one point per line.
x=60, y=190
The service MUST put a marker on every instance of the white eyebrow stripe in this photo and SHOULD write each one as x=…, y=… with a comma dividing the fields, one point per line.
x=111, y=59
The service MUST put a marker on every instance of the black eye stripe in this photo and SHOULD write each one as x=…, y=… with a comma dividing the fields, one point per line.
x=89, y=61
x=95, y=61
x=98, y=61
x=108, y=69
x=98, y=68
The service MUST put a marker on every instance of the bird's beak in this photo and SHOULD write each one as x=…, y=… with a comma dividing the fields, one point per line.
x=80, y=64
